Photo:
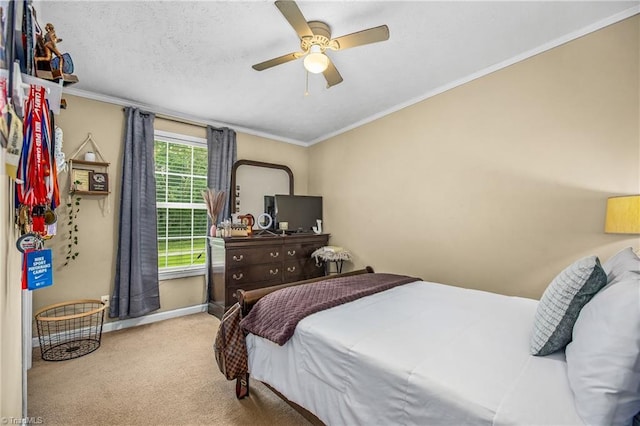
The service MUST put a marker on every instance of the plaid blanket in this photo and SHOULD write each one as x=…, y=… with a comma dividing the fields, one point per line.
x=229, y=345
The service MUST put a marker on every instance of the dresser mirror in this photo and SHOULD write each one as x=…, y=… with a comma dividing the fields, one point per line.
x=252, y=180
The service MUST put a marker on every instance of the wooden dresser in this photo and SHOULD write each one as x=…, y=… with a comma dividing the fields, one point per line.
x=260, y=261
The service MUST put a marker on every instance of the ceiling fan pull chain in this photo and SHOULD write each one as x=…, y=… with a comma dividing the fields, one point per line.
x=306, y=84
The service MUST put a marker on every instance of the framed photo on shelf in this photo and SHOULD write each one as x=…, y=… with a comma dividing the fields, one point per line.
x=99, y=182
x=80, y=180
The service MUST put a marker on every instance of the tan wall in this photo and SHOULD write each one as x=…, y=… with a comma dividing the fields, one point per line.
x=92, y=273
x=10, y=308
x=499, y=183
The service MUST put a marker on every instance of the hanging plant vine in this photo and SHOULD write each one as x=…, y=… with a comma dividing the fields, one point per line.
x=73, y=206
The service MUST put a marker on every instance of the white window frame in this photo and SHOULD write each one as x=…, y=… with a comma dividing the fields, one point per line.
x=189, y=271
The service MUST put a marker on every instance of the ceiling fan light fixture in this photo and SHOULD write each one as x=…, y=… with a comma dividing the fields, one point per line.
x=316, y=61
x=315, y=39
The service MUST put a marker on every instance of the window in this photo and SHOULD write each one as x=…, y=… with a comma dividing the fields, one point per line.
x=181, y=175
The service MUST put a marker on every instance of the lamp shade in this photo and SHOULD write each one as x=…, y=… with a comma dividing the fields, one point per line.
x=623, y=215
x=316, y=61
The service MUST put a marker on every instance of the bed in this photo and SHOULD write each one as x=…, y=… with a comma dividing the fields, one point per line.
x=420, y=353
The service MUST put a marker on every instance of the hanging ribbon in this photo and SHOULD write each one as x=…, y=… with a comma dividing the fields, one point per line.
x=23, y=184
x=37, y=182
x=53, y=191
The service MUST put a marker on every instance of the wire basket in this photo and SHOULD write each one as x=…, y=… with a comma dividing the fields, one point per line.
x=70, y=329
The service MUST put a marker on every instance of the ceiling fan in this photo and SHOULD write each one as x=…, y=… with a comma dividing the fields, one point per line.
x=315, y=39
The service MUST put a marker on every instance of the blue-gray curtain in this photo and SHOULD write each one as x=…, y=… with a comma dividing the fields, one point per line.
x=136, y=291
x=222, y=153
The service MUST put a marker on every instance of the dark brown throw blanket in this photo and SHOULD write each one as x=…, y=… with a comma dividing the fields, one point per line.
x=276, y=315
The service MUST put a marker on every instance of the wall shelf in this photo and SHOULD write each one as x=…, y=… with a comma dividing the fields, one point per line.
x=90, y=163
x=67, y=79
x=91, y=175
x=90, y=192
x=88, y=177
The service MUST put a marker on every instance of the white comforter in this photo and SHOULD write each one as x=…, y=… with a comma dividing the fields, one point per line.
x=420, y=354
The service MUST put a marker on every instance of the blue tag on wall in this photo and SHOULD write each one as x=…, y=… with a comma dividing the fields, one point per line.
x=39, y=269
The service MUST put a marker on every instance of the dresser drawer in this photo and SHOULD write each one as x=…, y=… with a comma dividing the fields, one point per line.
x=301, y=269
x=254, y=273
x=293, y=270
x=293, y=252
x=252, y=256
x=301, y=250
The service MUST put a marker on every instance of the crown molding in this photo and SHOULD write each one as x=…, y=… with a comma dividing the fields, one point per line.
x=186, y=118
x=521, y=57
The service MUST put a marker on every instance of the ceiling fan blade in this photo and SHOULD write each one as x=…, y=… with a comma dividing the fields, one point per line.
x=276, y=61
x=372, y=35
x=295, y=17
x=332, y=75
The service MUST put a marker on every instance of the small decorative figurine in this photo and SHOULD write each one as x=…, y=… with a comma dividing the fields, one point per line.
x=48, y=57
x=47, y=47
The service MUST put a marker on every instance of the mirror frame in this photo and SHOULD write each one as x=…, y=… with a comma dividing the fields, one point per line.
x=238, y=163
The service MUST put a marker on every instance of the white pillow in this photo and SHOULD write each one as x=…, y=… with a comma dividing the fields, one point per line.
x=561, y=303
x=603, y=360
x=623, y=261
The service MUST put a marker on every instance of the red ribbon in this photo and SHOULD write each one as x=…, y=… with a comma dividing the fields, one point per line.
x=36, y=168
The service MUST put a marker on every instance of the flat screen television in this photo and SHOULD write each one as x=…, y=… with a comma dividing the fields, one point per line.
x=300, y=211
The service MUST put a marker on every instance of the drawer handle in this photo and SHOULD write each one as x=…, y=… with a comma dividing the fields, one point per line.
x=238, y=258
x=272, y=272
x=291, y=252
x=238, y=277
x=276, y=254
x=291, y=269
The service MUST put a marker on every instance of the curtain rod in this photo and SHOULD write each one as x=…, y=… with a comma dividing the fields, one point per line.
x=177, y=120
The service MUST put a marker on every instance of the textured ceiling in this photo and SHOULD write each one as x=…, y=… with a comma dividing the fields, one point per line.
x=193, y=59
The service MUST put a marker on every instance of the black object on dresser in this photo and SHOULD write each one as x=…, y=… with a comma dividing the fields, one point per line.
x=261, y=261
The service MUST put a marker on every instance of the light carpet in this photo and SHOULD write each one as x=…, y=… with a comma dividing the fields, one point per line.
x=156, y=374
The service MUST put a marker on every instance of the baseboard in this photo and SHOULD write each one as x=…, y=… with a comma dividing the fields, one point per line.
x=147, y=319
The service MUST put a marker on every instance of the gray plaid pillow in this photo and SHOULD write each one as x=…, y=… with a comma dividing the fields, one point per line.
x=561, y=303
